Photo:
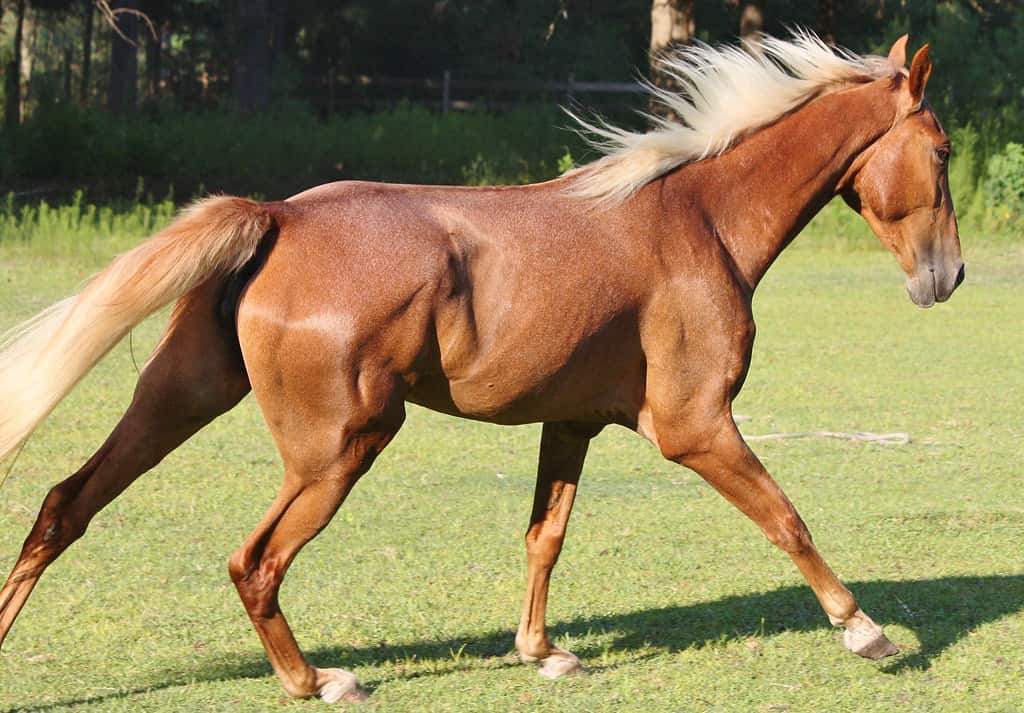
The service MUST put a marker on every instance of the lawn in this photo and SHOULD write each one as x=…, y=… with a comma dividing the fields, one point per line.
x=671, y=598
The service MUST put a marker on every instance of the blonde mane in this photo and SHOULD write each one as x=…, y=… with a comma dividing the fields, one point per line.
x=727, y=93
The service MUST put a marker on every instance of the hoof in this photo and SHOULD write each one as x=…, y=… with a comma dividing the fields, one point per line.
x=341, y=685
x=865, y=638
x=559, y=664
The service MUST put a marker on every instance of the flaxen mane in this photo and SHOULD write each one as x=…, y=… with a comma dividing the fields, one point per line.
x=727, y=93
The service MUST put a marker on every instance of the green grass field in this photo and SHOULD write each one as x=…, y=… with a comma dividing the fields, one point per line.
x=673, y=600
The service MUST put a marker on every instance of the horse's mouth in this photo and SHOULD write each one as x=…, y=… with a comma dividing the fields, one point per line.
x=930, y=286
x=921, y=290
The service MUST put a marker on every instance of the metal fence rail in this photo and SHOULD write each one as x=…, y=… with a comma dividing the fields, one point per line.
x=449, y=93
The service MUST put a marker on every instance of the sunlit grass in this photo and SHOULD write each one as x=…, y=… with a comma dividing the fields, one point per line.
x=673, y=600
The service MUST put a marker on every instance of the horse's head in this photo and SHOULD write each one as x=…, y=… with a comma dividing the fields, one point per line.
x=901, y=187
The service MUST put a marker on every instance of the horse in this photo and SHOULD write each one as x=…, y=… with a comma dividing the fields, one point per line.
x=617, y=293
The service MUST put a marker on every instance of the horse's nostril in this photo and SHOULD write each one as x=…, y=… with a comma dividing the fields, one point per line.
x=960, y=276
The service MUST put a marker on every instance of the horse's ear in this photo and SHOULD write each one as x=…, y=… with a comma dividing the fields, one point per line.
x=920, y=70
x=898, y=53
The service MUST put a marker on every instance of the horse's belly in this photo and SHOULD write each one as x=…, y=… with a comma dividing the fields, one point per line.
x=600, y=381
x=437, y=394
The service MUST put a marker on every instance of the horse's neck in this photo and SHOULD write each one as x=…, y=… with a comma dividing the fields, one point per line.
x=762, y=192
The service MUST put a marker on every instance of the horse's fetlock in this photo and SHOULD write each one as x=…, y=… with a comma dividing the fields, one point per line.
x=301, y=685
x=532, y=649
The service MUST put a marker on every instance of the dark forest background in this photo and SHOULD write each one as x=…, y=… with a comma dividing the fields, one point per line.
x=268, y=97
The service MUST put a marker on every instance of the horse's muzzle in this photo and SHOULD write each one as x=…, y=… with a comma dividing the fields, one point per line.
x=931, y=285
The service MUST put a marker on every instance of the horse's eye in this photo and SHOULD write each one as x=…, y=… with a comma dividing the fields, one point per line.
x=942, y=153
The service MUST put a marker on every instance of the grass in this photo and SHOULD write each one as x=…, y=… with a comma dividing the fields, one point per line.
x=673, y=600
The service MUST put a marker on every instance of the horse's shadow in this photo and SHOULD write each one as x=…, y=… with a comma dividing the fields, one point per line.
x=939, y=611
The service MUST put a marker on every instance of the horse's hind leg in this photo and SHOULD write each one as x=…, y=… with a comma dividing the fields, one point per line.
x=329, y=427
x=562, y=450
x=194, y=375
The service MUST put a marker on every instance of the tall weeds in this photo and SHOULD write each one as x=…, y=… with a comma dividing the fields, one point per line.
x=275, y=156
x=79, y=227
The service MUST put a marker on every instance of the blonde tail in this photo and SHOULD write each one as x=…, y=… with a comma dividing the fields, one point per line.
x=42, y=359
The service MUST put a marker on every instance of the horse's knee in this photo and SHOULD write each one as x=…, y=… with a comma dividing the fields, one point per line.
x=257, y=583
x=238, y=566
x=544, y=542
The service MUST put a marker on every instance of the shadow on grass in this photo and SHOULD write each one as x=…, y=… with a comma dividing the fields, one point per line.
x=939, y=611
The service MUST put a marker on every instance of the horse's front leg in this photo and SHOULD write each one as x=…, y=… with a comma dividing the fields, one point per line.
x=718, y=453
x=562, y=450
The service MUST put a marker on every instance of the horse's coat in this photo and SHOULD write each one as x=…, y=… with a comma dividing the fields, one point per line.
x=575, y=308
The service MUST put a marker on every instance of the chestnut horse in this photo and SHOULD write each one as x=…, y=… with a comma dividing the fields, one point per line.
x=618, y=293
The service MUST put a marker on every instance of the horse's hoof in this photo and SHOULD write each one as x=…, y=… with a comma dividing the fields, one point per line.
x=341, y=685
x=865, y=638
x=876, y=647
x=560, y=664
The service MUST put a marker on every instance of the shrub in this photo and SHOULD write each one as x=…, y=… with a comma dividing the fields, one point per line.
x=276, y=155
x=1004, y=184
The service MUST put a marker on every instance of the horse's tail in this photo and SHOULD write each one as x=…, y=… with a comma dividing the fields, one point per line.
x=44, y=358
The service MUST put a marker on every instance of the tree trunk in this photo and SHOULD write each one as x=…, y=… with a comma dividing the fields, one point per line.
x=672, y=25
x=12, y=91
x=827, y=21
x=124, y=62
x=154, y=61
x=69, y=57
x=278, y=29
x=90, y=11
x=252, y=67
x=752, y=21
x=29, y=52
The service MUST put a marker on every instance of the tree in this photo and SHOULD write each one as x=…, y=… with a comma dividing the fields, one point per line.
x=827, y=21
x=87, y=22
x=12, y=112
x=752, y=20
x=672, y=25
x=158, y=21
x=254, y=35
x=124, y=63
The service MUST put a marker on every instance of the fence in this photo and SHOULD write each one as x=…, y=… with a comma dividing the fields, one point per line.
x=449, y=94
